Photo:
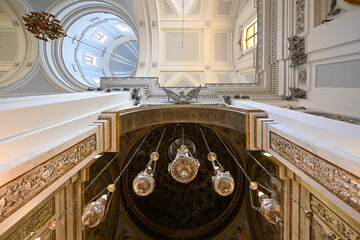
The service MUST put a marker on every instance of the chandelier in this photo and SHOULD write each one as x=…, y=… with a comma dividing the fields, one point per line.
x=43, y=26
x=184, y=168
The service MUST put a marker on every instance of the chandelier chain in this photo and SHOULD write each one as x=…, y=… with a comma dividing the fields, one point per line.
x=102, y=170
x=242, y=169
x=162, y=135
x=259, y=164
x=136, y=151
x=182, y=135
x=207, y=146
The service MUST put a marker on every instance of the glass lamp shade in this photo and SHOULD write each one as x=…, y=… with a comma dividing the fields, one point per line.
x=223, y=183
x=143, y=184
x=93, y=213
x=270, y=209
x=184, y=168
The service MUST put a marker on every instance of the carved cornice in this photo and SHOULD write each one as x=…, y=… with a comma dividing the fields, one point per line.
x=341, y=183
x=35, y=222
x=22, y=189
x=332, y=220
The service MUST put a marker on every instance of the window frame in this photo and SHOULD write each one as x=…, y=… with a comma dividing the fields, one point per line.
x=253, y=37
x=99, y=36
x=90, y=60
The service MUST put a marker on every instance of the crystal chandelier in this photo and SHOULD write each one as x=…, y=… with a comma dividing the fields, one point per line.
x=184, y=168
x=144, y=182
x=223, y=182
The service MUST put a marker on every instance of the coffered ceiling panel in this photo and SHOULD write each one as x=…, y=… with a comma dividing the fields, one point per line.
x=182, y=48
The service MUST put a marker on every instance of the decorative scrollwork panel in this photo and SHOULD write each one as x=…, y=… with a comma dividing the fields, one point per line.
x=22, y=189
x=341, y=183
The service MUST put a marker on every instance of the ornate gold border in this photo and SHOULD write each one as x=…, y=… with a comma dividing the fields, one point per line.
x=335, y=179
x=332, y=220
x=44, y=214
x=22, y=189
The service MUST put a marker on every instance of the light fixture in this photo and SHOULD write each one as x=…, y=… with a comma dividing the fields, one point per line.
x=144, y=182
x=223, y=182
x=94, y=212
x=184, y=167
x=270, y=209
x=43, y=26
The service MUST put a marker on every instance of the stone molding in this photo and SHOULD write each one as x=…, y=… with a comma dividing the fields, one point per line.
x=35, y=222
x=332, y=220
x=135, y=118
x=336, y=180
x=22, y=189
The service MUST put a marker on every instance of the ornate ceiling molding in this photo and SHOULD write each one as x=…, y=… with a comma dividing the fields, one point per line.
x=22, y=189
x=336, y=180
x=332, y=220
x=35, y=221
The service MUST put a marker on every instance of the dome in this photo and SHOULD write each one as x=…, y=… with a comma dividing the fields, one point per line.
x=99, y=45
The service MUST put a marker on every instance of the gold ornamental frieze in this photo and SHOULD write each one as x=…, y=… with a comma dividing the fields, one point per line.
x=22, y=189
x=332, y=220
x=35, y=222
x=338, y=181
x=229, y=117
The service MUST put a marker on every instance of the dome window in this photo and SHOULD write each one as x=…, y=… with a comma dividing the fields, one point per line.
x=90, y=59
x=99, y=36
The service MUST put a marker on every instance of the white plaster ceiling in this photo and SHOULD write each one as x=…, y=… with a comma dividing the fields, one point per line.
x=197, y=40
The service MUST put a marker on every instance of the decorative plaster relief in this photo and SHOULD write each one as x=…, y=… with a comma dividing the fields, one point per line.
x=154, y=24
x=35, y=222
x=341, y=183
x=21, y=190
x=300, y=16
x=302, y=77
x=332, y=219
x=297, y=51
x=142, y=23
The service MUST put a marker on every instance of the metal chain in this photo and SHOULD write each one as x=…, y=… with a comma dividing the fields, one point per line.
x=207, y=146
x=260, y=164
x=242, y=169
x=162, y=135
x=136, y=151
x=182, y=135
x=102, y=170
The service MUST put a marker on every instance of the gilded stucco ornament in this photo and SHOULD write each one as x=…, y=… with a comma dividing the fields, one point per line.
x=341, y=183
x=19, y=191
x=94, y=213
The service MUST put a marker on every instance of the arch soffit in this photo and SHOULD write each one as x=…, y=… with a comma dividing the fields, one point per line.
x=222, y=116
